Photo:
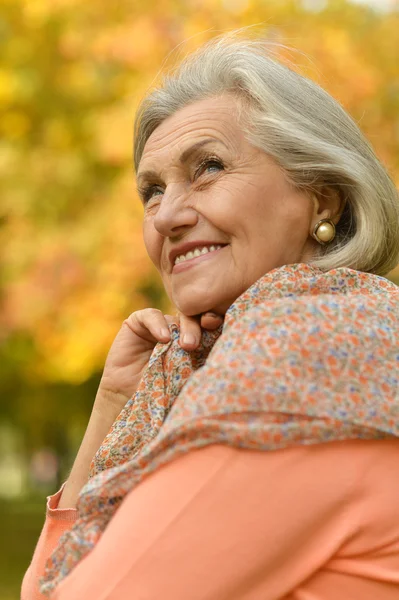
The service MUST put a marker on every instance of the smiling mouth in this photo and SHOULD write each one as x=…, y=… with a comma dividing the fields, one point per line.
x=190, y=261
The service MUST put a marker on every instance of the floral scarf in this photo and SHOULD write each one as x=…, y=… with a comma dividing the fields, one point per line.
x=303, y=357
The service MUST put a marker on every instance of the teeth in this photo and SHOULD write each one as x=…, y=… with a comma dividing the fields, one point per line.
x=195, y=253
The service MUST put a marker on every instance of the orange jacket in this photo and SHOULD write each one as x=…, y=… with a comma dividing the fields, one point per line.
x=318, y=522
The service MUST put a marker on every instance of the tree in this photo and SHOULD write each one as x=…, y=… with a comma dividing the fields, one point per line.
x=73, y=262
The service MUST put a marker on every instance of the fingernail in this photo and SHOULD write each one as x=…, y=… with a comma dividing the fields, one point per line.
x=165, y=332
x=189, y=339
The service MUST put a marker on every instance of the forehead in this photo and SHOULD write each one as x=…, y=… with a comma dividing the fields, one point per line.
x=216, y=118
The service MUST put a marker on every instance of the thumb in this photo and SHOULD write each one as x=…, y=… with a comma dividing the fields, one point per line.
x=211, y=321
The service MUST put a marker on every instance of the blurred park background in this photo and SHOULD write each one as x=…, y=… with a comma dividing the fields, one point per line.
x=72, y=260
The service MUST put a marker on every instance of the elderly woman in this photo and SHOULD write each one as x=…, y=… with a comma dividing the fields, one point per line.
x=248, y=448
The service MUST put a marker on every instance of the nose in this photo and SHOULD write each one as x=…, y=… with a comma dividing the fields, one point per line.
x=174, y=214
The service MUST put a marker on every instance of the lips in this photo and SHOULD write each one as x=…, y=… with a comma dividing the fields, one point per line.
x=196, y=260
x=187, y=246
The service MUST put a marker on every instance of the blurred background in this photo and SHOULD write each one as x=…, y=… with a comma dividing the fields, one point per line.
x=72, y=260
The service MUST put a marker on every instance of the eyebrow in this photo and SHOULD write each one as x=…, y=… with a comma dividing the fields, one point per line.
x=184, y=157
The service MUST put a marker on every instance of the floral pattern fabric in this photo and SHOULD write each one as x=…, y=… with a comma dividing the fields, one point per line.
x=303, y=357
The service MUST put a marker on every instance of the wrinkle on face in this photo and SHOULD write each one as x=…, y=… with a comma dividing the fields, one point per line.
x=168, y=141
x=250, y=205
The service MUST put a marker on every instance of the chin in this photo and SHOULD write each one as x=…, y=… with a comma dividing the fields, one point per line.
x=199, y=302
x=193, y=307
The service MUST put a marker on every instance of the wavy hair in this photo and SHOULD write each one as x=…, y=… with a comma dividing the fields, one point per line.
x=307, y=133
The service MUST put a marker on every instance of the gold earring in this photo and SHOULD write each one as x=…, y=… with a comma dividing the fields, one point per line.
x=324, y=231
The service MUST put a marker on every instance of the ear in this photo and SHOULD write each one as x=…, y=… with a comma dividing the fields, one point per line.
x=327, y=204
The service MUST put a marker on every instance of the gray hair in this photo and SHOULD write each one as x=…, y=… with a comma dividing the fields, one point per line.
x=307, y=133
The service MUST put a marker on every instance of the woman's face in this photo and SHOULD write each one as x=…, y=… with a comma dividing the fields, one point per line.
x=204, y=185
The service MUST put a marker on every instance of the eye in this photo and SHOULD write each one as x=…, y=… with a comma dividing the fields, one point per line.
x=149, y=192
x=209, y=165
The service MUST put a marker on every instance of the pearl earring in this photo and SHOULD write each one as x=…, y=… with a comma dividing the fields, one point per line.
x=324, y=231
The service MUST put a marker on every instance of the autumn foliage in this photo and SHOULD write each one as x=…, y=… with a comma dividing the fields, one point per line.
x=72, y=258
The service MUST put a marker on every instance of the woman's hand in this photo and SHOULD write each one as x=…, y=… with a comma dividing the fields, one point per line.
x=124, y=366
x=133, y=346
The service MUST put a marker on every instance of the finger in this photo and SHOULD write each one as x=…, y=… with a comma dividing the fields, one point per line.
x=170, y=319
x=211, y=321
x=190, y=332
x=149, y=324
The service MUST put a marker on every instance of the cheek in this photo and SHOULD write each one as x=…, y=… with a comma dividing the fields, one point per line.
x=152, y=242
x=224, y=205
x=295, y=211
